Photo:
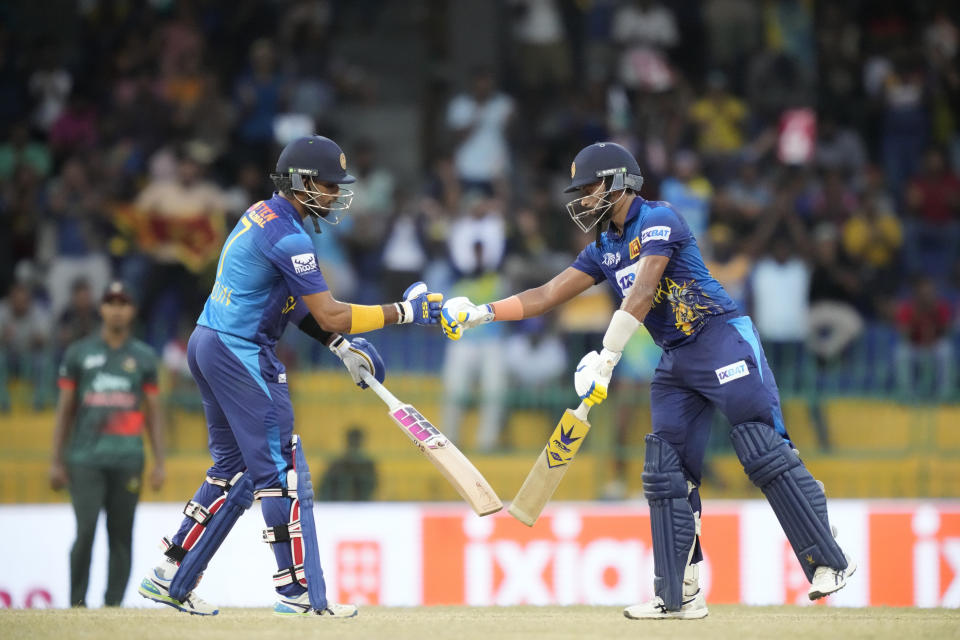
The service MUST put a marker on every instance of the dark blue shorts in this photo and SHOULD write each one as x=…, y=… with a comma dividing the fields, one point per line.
x=723, y=369
x=247, y=406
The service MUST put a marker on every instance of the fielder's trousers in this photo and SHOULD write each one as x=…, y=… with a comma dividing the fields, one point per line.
x=116, y=491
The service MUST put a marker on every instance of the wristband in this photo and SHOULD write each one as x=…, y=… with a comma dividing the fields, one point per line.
x=622, y=325
x=404, y=312
x=365, y=318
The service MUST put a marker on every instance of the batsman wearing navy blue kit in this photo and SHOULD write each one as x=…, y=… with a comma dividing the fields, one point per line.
x=268, y=277
x=712, y=359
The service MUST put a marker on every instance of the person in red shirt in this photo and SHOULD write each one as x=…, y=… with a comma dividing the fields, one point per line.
x=933, y=201
x=924, y=355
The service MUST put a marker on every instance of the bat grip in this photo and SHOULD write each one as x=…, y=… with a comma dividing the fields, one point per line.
x=582, y=411
x=388, y=398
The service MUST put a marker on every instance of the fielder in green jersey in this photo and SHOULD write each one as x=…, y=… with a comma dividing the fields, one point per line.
x=108, y=398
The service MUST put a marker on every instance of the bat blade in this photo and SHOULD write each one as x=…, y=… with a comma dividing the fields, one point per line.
x=448, y=459
x=549, y=469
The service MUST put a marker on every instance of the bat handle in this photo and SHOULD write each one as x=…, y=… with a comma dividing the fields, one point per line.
x=582, y=411
x=388, y=398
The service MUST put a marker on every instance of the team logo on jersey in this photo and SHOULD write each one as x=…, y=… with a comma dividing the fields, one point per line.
x=732, y=372
x=573, y=169
x=94, y=360
x=130, y=364
x=343, y=161
x=282, y=378
x=689, y=303
x=634, y=248
x=289, y=305
x=655, y=233
x=611, y=259
x=304, y=263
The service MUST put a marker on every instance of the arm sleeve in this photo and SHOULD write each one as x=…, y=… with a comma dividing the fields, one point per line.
x=68, y=374
x=587, y=263
x=662, y=233
x=296, y=259
x=149, y=383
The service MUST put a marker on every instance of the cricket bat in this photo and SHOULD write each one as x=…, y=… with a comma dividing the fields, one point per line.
x=551, y=466
x=444, y=455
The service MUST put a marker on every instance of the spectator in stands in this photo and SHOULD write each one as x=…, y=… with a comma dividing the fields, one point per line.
x=720, y=118
x=25, y=342
x=839, y=148
x=933, y=230
x=924, y=356
x=479, y=120
x=77, y=226
x=749, y=194
x=352, y=477
x=79, y=319
x=477, y=242
x=370, y=211
x=20, y=148
x=779, y=290
x=258, y=95
x=182, y=229
x=906, y=121
x=689, y=191
x=872, y=238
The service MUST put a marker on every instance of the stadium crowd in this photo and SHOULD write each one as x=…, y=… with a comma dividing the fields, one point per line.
x=813, y=148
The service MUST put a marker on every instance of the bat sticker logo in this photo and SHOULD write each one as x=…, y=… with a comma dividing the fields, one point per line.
x=566, y=437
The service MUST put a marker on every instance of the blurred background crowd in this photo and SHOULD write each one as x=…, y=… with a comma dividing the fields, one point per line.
x=813, y=147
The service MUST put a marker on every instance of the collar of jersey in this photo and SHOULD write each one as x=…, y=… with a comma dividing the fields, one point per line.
x=284, y=205
x=632, y=213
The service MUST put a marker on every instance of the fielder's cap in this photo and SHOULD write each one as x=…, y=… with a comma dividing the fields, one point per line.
x=117, y=291
x=315, y=156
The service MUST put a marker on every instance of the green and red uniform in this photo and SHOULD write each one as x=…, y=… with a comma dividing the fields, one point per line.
x=104, y=453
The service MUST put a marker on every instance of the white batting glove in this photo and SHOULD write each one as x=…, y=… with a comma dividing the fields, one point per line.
x=593, y=374
x=458, y=314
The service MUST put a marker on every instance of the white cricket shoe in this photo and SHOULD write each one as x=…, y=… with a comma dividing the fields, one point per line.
x=156, y=586
x=692, y=608
x=300, y=606
x=827, y=580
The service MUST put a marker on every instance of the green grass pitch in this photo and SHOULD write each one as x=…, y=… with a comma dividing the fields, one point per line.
x=725, y=622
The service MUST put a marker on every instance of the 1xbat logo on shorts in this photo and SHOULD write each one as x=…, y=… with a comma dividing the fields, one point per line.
x=732, y=372
x=304, y=263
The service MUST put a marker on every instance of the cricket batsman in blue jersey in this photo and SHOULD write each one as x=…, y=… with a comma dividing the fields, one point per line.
x=268, y=277
x=712, y=359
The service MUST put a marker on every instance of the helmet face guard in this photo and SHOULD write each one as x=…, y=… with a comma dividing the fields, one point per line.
x=302, y=184
x=587, y=217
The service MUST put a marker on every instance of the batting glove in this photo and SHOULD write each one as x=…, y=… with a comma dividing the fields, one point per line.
x=459, y=314
x=593, y=374
x=419, y=305
x=358, y=355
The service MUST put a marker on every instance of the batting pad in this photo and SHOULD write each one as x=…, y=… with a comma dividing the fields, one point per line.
x=672, y=523
x=797, y=500
x=239, y=498
x=316, y=586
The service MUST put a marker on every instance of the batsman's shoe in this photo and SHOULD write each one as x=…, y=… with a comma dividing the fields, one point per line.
x=827, y=580
x=156, y=587
x=300, y=606
x=693, y=608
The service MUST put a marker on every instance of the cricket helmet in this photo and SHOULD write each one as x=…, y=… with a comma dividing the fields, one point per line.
x=610, y=163
x=307, y=162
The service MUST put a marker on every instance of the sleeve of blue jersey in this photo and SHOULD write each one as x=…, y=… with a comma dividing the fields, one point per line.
x=588, y=263
x=661, y=232
x=295, y=257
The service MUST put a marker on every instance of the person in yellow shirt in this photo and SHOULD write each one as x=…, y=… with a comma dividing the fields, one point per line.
x=719, y=116
x=873, y=236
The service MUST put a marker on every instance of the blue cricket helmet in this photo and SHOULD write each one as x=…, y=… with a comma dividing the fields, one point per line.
x=308, y=162
x=315, y=156
x=602, y=159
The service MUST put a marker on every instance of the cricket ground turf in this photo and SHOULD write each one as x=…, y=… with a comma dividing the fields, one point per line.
x=725, y=622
